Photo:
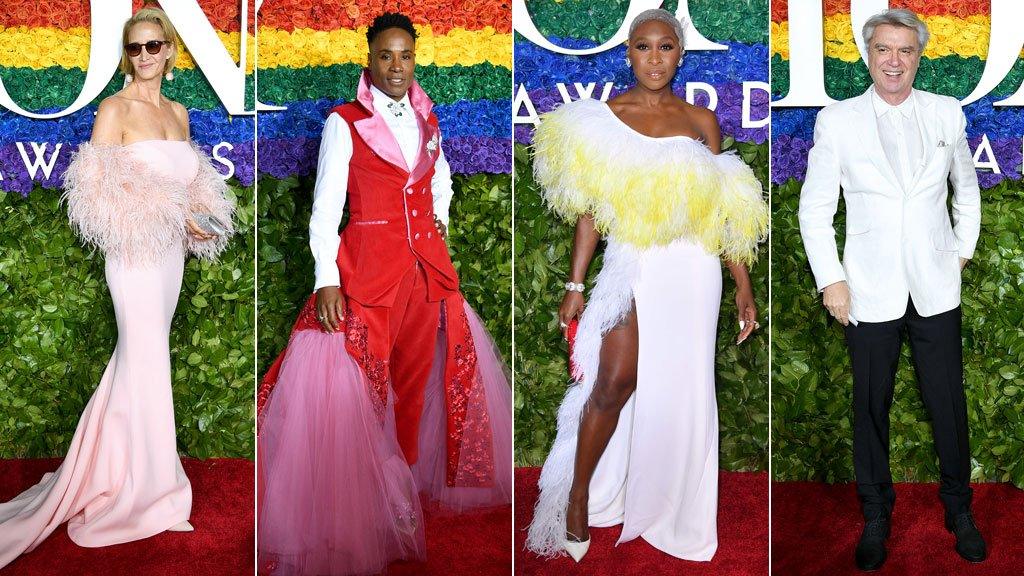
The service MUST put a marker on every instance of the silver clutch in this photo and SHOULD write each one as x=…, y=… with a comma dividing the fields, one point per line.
x=210, y=224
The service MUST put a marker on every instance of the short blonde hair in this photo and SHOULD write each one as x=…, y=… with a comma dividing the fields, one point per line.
x=153, y=16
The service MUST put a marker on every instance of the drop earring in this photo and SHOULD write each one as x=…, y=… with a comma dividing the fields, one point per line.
x=628, y=63
x=169, y=76
x=128, y=77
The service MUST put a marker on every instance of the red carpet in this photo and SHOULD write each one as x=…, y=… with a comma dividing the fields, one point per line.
x=472, y=544
x=815, y=528
x=222, y=513
x=742, y=537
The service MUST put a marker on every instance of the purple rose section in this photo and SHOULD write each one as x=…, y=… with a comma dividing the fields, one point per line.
x=539, y=68
x=789, y=159
x=17, y=177
x=284, y=157
x=729, y=109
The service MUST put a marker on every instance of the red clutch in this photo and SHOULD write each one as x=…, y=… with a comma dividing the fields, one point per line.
x=574, y=325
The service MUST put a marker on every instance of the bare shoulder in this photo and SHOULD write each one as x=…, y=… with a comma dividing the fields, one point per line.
x=705, y=121
x=114, y=106
x=111, y=117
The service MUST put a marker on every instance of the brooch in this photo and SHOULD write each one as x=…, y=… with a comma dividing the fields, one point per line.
x=432, y=145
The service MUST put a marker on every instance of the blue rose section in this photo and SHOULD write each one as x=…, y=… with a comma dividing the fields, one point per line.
x=793, y=135
x=729, y=109
x=208, y=127
x=284, y=157
x=538, y=69
x=305, y=119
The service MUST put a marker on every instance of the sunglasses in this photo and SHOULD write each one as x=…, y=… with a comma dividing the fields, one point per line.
x=153, y=47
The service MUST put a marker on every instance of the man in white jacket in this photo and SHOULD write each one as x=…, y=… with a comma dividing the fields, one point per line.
x=892, y=151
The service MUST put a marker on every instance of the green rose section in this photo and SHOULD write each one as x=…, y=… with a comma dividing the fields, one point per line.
x=57, y=88
x=723, y=20
x=58, y=332
x=479, y=240
x=949, y=75
x=542, y=247
x=445, y=84
x=811, y=379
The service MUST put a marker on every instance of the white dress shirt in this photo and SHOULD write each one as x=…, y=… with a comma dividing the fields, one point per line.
x=332, y=179
x=900, y=135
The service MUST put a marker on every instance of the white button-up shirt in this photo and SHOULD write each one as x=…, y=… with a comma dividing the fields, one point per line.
x=900, y=135
x=332, y=180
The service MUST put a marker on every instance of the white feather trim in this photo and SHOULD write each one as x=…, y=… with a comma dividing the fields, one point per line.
x=610, y=301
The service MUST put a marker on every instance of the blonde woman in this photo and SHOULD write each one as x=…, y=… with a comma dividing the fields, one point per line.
x=143, y=194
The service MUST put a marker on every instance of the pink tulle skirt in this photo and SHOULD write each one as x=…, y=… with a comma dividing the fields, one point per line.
x=336, y=494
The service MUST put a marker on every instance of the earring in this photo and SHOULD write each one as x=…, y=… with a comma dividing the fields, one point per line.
x=628, y=63
x=169, y=76
x=128, y=78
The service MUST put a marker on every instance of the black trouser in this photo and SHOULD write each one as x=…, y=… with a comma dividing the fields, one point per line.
x=938, y=360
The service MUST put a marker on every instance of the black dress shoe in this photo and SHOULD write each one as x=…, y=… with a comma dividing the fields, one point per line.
x=871, y=548
x=969, y=543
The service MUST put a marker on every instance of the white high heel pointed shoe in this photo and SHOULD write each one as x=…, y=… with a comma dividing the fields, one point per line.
x=181, y=527
x=576, y=549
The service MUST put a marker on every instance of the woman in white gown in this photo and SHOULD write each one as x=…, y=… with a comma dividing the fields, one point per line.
x=637, y=440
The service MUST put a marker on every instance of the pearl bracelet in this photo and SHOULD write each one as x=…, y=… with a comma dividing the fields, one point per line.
x=574, y=287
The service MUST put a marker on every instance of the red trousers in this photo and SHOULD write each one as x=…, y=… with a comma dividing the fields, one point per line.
x=412, y=323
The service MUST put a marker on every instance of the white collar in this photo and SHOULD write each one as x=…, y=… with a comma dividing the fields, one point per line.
x=906, y=108
x=381, y=100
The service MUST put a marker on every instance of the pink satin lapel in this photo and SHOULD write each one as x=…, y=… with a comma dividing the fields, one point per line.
x=374, y=131
x=426, y=158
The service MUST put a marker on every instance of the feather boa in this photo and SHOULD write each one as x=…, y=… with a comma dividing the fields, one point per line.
x=130, y=212
x=647, y=191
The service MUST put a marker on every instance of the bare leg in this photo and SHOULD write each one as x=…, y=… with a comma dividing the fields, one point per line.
x=616, y=381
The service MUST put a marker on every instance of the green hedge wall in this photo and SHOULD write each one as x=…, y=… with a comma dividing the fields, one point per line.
x=57, y=333
x=479, y=238
x=811, y=381
x=542, y=247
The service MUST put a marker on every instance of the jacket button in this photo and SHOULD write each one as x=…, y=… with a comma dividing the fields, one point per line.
x=416, y=237
x=429, y=235
x=414, y=212
x=408, y=191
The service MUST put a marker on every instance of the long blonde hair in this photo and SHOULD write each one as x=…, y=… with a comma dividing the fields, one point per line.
x=153, y=16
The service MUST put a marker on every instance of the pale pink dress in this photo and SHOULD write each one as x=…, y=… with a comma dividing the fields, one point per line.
x=122, y=478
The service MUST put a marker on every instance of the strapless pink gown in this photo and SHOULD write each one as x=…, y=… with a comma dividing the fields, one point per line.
x=122, y=479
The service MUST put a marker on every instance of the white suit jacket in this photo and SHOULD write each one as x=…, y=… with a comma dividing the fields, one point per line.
x=899, y=242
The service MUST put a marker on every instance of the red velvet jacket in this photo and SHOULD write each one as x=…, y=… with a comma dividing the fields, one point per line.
x=391, y=213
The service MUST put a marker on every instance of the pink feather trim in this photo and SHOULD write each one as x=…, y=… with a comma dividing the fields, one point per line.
x=130, y=212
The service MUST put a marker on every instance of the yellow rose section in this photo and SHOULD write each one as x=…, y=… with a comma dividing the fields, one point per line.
x=950, y=36
x=38, y=48
x=305, y=47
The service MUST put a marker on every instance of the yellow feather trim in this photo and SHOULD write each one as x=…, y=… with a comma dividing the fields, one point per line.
x=647, y=191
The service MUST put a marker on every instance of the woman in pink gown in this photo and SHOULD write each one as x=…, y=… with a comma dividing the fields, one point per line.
x=131, y=192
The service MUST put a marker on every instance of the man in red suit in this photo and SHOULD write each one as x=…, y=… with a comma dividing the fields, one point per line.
x=382, y=394
x=388, y=281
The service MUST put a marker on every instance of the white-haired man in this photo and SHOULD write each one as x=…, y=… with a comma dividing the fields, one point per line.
x=892, y=151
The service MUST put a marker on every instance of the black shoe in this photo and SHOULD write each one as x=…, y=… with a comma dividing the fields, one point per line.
x=871, y=548
x=969, y=543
